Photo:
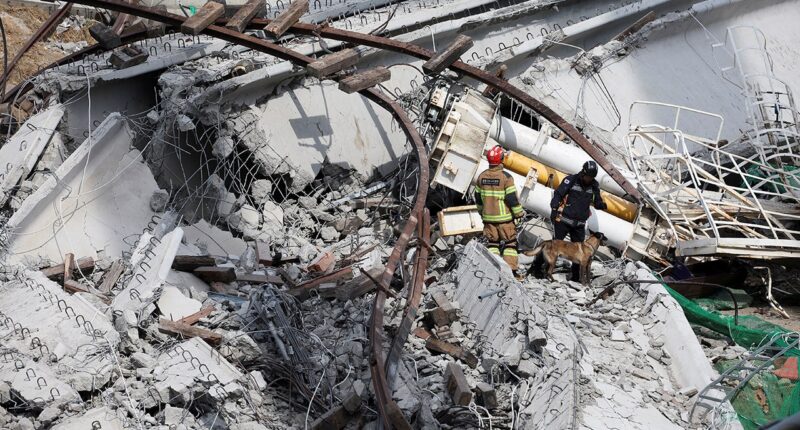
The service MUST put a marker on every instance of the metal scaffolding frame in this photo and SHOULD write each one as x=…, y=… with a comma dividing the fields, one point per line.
x=706, y=194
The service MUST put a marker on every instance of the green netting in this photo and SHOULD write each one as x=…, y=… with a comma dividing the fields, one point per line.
x=766, y=398
x=794, y=178
x=722, y=301
x=751, y=331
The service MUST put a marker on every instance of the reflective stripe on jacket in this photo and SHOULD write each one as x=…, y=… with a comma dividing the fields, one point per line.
x=496, y=196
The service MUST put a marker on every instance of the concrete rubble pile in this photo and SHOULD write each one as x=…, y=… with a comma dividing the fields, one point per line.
x=236, y=232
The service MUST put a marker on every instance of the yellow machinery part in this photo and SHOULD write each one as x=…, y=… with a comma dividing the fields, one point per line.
x=551, y=177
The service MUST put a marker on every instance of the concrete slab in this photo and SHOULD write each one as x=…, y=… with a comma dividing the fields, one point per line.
x=98, y=197
x=689, y=364
x=360, y=137
x=152, y=261
x=35, y=383
x=19, y=155
x=214, y=240
x=174, y=305
x=59, y=327
x=193, y=365
x=490, y=298
x=109, y=420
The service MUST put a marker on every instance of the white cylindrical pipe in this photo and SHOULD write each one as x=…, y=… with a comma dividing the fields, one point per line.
x=538, y=199
x=552, y=152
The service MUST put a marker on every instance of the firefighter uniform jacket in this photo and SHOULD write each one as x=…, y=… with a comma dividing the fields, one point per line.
x=578, y=198
x=496, y=196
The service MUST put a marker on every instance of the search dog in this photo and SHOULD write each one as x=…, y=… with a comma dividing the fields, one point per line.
x=580, y=253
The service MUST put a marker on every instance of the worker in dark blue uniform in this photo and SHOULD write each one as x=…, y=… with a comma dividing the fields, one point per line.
x=570, y=210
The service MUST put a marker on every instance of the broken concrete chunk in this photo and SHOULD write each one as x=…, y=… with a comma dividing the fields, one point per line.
x=184, y=123
x=142, y=360
x=261, y=189
x=174, y=305
x=239, y=346
x=618, y=336
x=352, y=401
x=174, y=416
x=644, y=374
x=223, y=147
x=159, y=201
x=329, y=234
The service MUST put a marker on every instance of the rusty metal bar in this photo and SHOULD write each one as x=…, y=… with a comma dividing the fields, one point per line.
x=45, y=30
x=414, y=296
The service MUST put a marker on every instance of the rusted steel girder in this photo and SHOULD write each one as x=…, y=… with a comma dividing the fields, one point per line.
x=55, y=18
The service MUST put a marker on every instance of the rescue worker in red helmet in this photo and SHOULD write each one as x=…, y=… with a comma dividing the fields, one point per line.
x=496, y=197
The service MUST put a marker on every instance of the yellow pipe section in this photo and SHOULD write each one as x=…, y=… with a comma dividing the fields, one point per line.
x=552, y=178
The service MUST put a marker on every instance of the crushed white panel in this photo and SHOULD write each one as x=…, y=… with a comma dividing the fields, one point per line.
x=19, y=155
x=460, y=220
x=459, y=146
x=192, y=365
x=107, y=418
x=95, y=200
x=152, y=262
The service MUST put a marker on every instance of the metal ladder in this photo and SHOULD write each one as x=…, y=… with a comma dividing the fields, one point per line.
x=735, y=378
x=771, y=109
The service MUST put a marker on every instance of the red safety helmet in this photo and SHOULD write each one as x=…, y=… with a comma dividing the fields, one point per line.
x=495, y=155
